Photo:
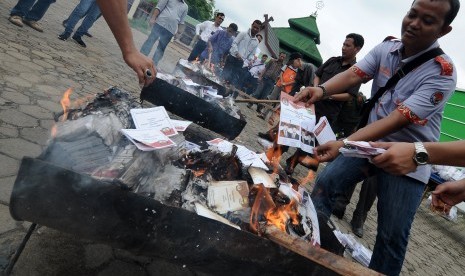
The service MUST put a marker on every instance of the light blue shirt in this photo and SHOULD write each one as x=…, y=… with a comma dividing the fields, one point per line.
x=420, y=96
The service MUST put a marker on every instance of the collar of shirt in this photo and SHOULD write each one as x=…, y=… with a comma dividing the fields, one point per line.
x=397, y=50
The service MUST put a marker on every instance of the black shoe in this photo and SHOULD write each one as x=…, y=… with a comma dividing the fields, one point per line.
x=357, y=228
x=63, y=36
x=339, y=213
x=265, y=136
x=87, y=34
x=79, y=41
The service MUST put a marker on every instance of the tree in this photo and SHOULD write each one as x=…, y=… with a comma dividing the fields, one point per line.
x=201, y=9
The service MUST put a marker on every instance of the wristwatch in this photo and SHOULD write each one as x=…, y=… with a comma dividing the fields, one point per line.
x=325, y=93
x=421, y=155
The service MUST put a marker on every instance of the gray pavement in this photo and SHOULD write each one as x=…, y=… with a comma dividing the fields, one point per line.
x=36, y=68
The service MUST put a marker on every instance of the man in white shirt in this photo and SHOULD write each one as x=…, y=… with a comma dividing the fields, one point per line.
x=255, y=69
x=204, y=31
x=242, y=48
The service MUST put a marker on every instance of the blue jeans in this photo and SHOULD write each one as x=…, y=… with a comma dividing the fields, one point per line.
x=164, y=37
x=87, y=8
x=264, y=88
x=398, y=200
x=31, y=10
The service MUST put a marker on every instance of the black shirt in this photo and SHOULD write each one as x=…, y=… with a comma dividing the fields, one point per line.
x=327, y=70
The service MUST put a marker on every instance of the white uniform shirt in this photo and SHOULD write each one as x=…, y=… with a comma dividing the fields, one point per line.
x=206, y=29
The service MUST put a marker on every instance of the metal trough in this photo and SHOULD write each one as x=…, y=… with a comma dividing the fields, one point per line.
x=192, y=108
x=104, y=212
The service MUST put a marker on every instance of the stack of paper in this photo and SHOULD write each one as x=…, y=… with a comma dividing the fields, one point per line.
x=360, y=149
x=153, y=128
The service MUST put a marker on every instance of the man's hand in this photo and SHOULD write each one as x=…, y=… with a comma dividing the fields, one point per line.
x=140, y=64
x=153, y=19
x=328, y=151
x=451, y=193
x=309, y=95
x=397, y=160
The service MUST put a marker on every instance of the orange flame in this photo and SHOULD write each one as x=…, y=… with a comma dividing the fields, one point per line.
x=308, y=178
x=66, y=103
x=262, y=203
x=199, y=172
x=279, y=216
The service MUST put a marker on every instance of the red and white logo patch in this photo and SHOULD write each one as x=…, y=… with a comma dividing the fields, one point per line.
x=436, y=98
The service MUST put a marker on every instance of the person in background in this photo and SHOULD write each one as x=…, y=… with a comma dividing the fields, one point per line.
x=29, y=12
x=409, y=111
x=167, y=19
x=242, y=48
x=87, y=9
x=115, y=14
x=286, y=77
x=218, y=45
x=255, y=68
x=331, y=107
x=204, y=31
x=267, y=79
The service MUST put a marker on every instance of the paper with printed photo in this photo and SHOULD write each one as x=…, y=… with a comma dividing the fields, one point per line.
x=153, y=118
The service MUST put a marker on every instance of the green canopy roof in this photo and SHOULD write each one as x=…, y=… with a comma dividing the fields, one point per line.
x=307, y=25
x=298, y=41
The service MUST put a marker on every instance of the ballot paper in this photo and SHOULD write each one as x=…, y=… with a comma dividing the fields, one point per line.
x=246, y=156
x=180, y=125
x=225, y=196
x=205, y=212
x=155, y=118
x=360, y=149
x=298, y=127
x=148, y=139
x=261, y=176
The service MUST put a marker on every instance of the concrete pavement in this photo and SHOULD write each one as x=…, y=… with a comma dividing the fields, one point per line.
x=36, y=68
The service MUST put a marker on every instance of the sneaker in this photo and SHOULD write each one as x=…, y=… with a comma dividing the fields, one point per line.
x=17, y=20
x=79, y=41
x=63, y=36
x=34, y=24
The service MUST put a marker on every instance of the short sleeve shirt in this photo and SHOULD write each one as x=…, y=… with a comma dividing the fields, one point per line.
x=172, y=13
x=330, y=108
x=420, y=96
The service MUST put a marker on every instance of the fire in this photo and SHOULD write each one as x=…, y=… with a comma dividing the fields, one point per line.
x=199, y=172
x=66, y=103
x=281, y=215
x=274, y=154
x=308, y=178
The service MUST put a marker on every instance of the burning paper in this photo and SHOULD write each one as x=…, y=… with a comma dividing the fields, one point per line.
x=225, y=196
x=148, y=139
x=205, y=212
x=155, y=118
x=260, y=176
x=247, y=157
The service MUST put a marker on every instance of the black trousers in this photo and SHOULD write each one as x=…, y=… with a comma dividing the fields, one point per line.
x=197, y=50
